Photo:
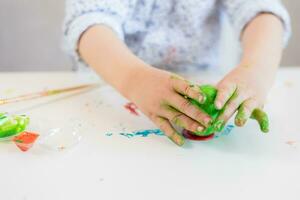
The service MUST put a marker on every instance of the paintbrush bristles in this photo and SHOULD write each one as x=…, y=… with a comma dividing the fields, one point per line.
x=45, y=93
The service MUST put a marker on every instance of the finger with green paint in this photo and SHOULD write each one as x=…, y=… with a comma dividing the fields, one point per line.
x=181, y=120
x=262, y=118
x=165, y=125
x=249, y=109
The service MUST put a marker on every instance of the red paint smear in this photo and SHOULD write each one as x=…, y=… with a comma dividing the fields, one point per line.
x=189, y=135
x=132, y=108
x=25, y=140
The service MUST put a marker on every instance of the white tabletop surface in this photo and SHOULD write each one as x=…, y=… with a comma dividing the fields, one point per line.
x=246, y=164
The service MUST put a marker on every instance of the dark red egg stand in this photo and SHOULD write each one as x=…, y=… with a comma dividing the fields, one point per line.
x=189, y=135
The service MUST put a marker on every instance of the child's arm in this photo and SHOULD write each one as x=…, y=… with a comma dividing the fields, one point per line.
x=252, y=79
x=157, y=93
x=102, y=50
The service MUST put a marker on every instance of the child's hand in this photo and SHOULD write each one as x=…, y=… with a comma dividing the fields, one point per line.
x=244, y=89
x=162, y=96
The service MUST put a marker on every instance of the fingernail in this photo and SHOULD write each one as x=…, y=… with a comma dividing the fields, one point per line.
x=207, y=120
x=265, y=126
x=218, y=105
x=239, y=122
x=202, y=99
x=200, y=128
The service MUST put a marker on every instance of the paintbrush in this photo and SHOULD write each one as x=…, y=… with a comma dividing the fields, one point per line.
x=46, y=93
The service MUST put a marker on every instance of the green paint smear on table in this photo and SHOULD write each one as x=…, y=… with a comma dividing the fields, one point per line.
x=11, y=125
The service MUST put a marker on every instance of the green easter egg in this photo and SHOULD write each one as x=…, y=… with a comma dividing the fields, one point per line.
x=210, y=92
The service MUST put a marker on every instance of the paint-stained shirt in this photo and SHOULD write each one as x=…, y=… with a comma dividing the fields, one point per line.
x=168, y=34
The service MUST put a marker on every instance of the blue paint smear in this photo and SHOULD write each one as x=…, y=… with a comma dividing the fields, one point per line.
x=128, y=135
x=227, y=130
x=143, y=133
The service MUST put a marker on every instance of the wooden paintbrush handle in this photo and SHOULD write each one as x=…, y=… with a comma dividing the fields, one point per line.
x=46, y=93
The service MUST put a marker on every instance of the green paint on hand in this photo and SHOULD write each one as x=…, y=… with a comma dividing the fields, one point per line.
x=210, y=93
x=241, y=117
x=208, y=107
x=262, y=118
x=12, y=125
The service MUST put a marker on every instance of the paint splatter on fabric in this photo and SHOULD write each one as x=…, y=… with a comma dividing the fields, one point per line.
x=132, y=108
x=171, y=54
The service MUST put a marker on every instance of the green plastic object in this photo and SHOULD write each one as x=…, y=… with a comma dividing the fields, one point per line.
x=11, y=125
x=210, y=92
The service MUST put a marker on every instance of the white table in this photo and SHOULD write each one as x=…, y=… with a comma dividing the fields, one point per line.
x=243, y=165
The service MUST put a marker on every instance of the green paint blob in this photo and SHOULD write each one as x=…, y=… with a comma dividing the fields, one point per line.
x=262, y=118
x=210, y=93
x=12, y=125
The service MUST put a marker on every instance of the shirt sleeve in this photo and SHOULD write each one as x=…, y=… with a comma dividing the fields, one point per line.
x=82, y=14
x=241, y=12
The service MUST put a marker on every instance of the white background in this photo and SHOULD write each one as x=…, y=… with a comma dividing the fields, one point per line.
x=243, y=165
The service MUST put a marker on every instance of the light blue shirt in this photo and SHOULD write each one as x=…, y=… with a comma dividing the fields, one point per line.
x=168, y=34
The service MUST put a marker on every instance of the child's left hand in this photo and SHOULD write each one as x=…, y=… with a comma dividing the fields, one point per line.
x=244, y=89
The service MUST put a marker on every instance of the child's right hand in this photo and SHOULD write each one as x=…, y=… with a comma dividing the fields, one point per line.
x=161, y=96
x=157, y=93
